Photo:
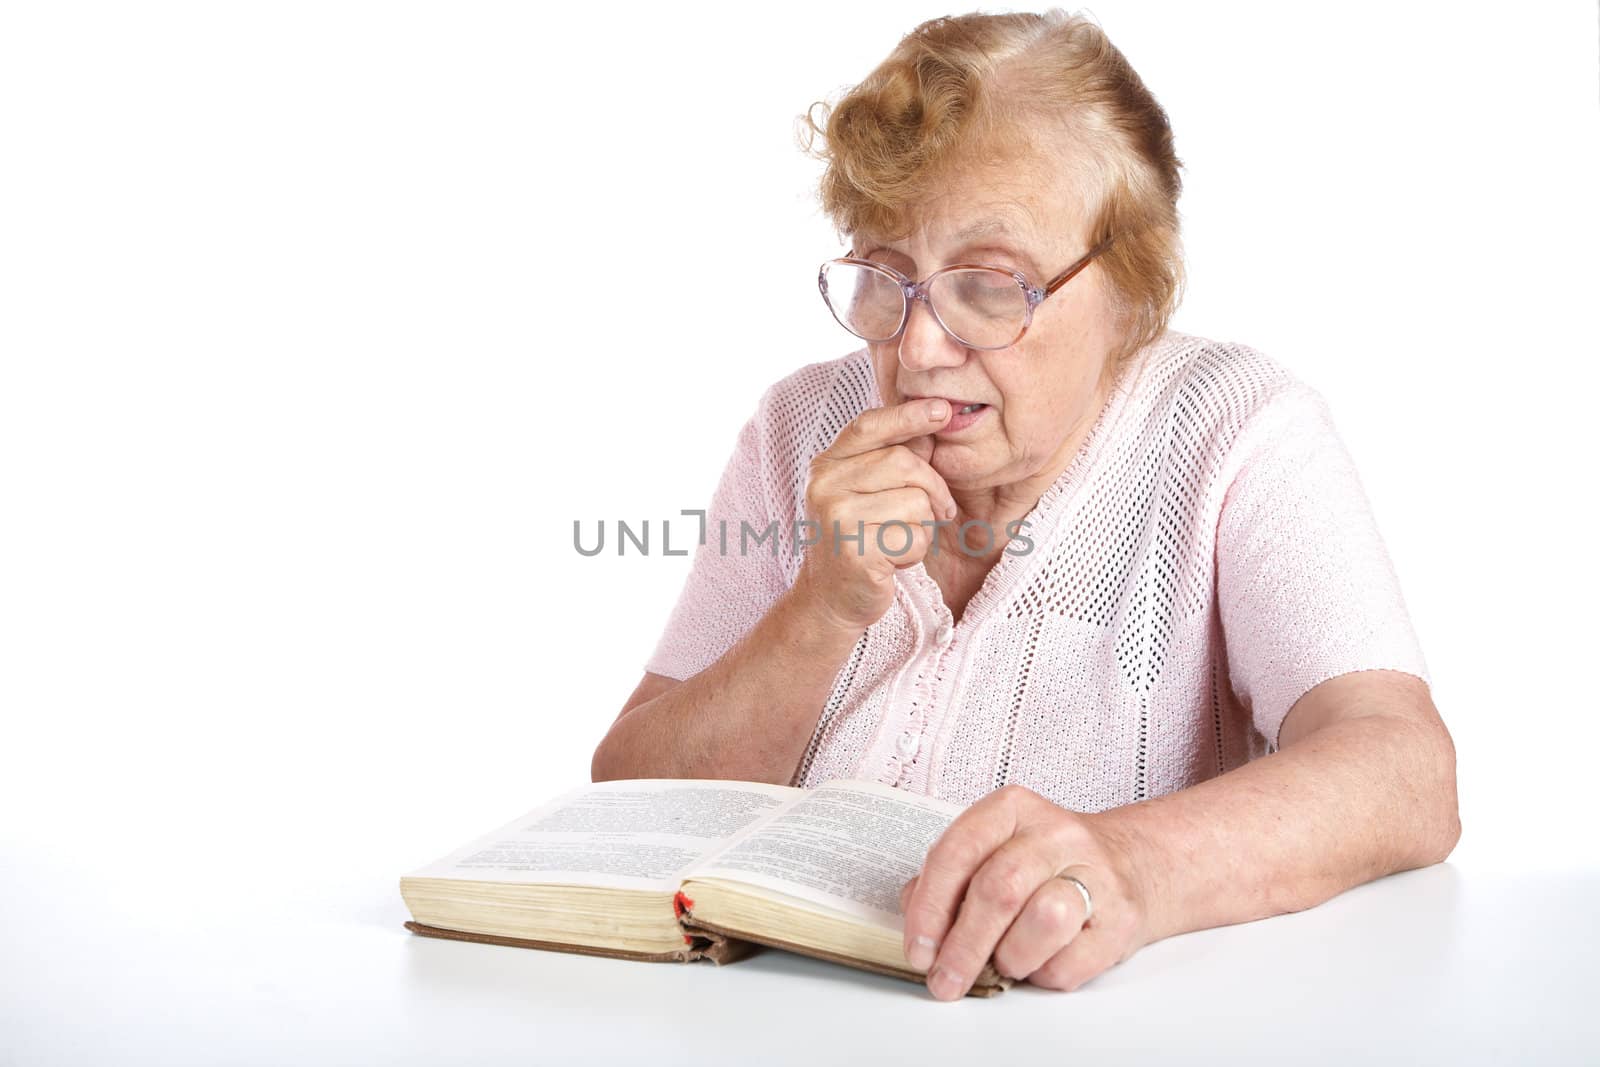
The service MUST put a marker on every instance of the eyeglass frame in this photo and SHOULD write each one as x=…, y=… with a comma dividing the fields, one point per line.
x=911, y=290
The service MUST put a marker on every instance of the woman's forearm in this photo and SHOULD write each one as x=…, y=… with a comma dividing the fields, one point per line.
x=747, y=716
x=1353, y=801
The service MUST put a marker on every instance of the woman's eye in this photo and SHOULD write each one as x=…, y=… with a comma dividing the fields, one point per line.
x=890, y=258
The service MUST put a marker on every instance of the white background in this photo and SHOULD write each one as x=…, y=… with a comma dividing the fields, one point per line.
x=321, y=323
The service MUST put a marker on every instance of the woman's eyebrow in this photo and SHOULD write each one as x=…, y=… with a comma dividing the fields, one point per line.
x=976, y=244
x=989, y=227
x=983, y=228
x=970, y=239
x=1014, y=250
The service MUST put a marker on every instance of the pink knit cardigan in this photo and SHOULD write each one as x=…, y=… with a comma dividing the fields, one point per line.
x=1207, y=557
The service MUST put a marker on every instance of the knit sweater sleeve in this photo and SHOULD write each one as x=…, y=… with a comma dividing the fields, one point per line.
x=736, y=575
x=1305, y=587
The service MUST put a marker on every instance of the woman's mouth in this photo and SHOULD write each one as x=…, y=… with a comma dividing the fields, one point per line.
x=966, y=415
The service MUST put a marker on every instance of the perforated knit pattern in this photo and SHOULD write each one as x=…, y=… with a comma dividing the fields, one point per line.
x=1207, y=558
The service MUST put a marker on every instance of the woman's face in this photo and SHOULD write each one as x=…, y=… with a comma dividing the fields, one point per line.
x=1042, y=392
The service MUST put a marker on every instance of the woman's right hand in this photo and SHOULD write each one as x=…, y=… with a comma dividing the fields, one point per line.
x=875, y=471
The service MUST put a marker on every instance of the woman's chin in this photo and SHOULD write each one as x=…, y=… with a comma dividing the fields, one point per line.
x=958, y=465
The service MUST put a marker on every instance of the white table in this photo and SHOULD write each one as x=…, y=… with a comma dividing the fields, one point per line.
x=1431, y=966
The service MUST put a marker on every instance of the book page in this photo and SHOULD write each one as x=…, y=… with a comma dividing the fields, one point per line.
x=632, y=834
x=850, y=846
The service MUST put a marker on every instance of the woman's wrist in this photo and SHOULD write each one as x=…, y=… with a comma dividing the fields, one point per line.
x=817, y=613
x=1144, y=868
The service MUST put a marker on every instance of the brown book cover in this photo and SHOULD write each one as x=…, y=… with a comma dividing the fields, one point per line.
x=987, y=984
x=719, y=945
x=713, y=946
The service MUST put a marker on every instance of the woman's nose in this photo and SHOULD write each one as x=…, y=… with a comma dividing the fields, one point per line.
x=925, y=343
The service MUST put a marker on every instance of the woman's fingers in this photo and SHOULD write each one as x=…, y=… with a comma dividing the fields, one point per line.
x=987, y=892
x=1052, y=918
x=952, y=862
x=868, y=496
x=877, y=427
x=995, y=896
x=888, y=468
x=908, y=503
x=1093, y=950
x=898, y=523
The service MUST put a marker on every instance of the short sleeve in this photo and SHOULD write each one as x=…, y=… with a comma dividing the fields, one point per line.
x=735, y=577
x=1305, y=586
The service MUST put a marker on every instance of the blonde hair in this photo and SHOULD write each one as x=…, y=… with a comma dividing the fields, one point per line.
x=979, y=90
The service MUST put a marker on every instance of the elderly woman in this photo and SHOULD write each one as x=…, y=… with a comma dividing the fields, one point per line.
x=1115, y=588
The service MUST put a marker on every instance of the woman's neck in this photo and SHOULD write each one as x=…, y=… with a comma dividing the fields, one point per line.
x=1000, y=505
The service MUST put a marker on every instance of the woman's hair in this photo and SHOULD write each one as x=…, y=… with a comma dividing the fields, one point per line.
x=982, y=90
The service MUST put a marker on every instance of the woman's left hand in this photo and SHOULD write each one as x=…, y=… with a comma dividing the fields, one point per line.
x=988, y=889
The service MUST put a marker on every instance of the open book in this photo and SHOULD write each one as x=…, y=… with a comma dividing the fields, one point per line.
x=685, y=869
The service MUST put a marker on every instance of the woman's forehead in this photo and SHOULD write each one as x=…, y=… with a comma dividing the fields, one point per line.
x=972, y=206
x=965, y=227
x=953, y=225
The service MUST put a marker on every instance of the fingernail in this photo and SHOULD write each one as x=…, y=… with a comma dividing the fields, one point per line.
x=938, y=409
x=944, y=985
x=922, y=952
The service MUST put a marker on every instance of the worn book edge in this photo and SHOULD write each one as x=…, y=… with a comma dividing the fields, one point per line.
x=988, y=983
x=717, y=944
x=699, y=945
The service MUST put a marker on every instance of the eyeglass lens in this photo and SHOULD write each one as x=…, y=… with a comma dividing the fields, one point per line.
x=983, y=308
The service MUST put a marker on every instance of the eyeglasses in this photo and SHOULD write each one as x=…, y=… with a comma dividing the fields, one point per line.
x=980, y=306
